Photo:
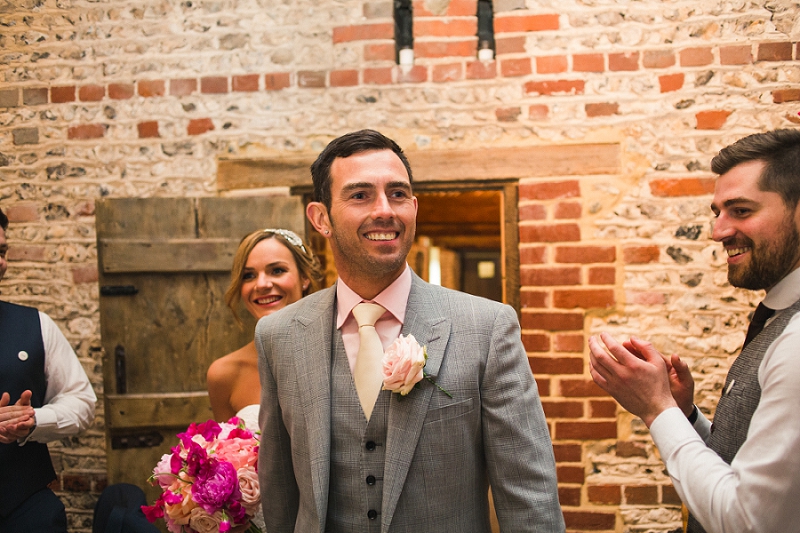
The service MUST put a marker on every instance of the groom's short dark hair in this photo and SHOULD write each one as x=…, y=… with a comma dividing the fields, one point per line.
x=345, y=146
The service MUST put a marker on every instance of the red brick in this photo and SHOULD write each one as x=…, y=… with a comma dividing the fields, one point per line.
x=148, y=129
x=602, y=276
x=438, y=27
x=379, y=52
x=557, y=366
x=515, y=67
x=198, y=126
x=362, y=32
x=736, y=55
x=120, y=91
x=481, y=70
x=780, y=96
x=601, y=109
x=507, y=114
x=711, y=120
x=22, y=213
x=148, y=88
x=586, y=254
x=551, y=64
x=658, y=58
x=344, y=78
x=573, y=388
x=549, y=190
x=86, y=131
x=311, y=79
x=559, y=408
x=529, y=255
x=60, y=95
x=550, y=233
x=570, y=474
x=774, y=52
x=671, y=82
x=588, y=63
x=182, y=87
x=91, y=93
x=530, y=299
x=603, y=409
x=85, y=274
x=416, y=74
x=214, y=85
x=447, y=72
x=462, y=48
x=515, y=23
x=696, y=57
x=378, y=76
x=641, y=495
x=509, y=45
x=26, y=252
x=604, y=494
x=549, y=276
x=669, y=496
x=76, y=482
x=543, y=385
x=536, y=342
x=532, y=212
x=538, y=111
x=682, y=186
x=569, y=496
x=276, y=81
x=586, y=430
x=555, y=322
x=637, y=255
x=568, y=453
x=569, y=343
x=625, y=61
x=555, y=87
x=629, y=449
x=245, y=83
x=455, y=8
x=583, y=298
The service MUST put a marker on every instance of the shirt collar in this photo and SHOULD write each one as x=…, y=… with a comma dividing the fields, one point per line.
x=785, y=292
x=393, y=298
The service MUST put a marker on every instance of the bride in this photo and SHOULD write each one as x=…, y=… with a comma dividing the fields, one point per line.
x=272, y=268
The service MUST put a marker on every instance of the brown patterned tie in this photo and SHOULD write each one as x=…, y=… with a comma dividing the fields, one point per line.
x=368, y=371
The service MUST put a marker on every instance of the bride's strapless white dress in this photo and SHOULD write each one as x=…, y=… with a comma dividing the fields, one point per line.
x=249, y=414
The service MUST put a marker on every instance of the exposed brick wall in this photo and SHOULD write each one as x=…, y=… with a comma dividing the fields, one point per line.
x=114, y=99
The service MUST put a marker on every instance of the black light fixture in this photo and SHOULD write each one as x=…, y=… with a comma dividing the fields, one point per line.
x=485, y=30
x=403, y=32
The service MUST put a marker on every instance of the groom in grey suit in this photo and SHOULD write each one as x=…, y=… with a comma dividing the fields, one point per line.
x=418, y=463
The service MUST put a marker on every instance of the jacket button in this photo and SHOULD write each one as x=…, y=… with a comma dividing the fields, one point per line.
x=370, y=480
x=370, y=446
x=372, y=514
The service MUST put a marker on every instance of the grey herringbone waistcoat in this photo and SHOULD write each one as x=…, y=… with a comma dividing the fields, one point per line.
x=357, y=454
x=741, y=395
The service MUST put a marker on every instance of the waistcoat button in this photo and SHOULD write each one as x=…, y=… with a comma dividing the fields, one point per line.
x=372, y=514
x=370, y=480
x=370, y=446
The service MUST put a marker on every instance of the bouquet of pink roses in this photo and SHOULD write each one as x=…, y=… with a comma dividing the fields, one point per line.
x=209, y=481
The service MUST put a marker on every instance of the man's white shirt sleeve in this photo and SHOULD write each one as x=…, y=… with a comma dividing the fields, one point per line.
x=760, y=490
x=69, y=401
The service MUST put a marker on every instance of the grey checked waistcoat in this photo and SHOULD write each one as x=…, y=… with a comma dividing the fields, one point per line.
x=358, y=453
x=741, y=395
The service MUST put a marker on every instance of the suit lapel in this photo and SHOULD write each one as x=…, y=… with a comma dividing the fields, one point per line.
x=313, y=331
x=407, y=415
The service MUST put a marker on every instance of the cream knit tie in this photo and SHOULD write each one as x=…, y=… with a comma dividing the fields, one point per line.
x=368, y=372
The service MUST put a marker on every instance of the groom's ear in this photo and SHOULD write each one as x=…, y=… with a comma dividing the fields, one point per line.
x=317, y=214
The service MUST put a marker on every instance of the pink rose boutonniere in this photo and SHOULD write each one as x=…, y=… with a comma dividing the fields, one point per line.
x=404, y=366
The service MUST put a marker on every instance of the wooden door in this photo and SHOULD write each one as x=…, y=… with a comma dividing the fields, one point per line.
x=164, y=266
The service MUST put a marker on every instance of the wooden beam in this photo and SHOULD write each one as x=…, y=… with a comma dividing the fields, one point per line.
x=173, y=255
x=156, y=410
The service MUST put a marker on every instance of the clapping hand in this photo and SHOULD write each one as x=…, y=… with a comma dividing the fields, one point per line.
x=16, y=421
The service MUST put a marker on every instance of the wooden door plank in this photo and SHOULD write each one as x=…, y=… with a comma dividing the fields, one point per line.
x=156, y=410
x=170, y=255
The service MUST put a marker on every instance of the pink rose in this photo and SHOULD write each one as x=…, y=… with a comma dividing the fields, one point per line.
x=248, y=485
x=202, y=522
x=403, y=362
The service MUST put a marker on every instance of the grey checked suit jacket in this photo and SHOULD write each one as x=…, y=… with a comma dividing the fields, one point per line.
x=441, y=453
